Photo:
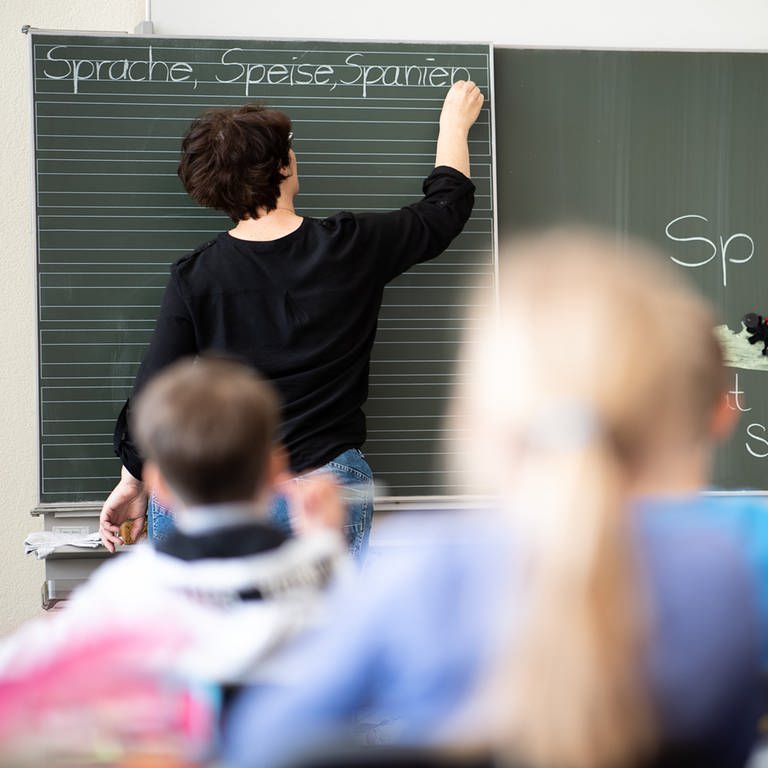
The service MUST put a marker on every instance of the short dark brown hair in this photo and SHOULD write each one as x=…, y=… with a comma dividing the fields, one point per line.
x=209, y=425
x=233, y=160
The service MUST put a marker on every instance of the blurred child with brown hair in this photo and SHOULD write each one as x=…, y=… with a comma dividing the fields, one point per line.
x=209, y=604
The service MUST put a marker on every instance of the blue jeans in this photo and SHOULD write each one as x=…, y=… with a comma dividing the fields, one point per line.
x=355, y=479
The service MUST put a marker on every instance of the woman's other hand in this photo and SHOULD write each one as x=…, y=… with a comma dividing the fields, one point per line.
x=126, y=503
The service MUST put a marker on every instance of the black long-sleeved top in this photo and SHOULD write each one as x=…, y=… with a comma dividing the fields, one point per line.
x=302, y=310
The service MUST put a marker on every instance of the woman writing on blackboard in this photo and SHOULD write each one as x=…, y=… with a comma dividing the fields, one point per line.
x=295, y=297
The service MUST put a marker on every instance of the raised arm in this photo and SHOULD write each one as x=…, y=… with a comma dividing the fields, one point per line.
x=460, y=110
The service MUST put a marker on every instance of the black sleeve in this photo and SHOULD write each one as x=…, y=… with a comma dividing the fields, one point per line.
x=172, y=339
x=422, y=230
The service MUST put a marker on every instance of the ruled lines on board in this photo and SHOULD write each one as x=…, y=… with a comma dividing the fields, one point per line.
x=109, y=113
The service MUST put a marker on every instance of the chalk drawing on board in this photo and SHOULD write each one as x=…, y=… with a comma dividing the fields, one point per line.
x=738, y=352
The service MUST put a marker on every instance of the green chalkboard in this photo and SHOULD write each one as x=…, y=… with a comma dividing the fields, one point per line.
x=109, y=113
x=668, y=146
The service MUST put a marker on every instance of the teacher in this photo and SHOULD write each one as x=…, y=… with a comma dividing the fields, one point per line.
x=293, y=296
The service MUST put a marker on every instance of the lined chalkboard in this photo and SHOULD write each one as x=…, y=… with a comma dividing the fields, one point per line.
x=109, y=113
x=668, y=146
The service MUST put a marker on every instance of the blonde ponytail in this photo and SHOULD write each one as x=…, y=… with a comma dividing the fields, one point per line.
x=574, y=681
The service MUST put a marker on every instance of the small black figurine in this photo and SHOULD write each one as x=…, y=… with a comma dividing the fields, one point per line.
x=758, y=328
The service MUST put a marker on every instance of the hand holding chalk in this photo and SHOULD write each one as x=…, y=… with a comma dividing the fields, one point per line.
x=461, y=108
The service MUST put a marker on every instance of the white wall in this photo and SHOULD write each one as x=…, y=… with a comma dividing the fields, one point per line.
x=21, y=576
x=708, y=24
x=722, y=24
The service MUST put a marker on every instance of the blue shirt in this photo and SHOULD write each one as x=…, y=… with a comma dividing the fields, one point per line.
x=407, y=644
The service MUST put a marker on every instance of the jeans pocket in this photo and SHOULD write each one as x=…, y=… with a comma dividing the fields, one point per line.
x=160, y=523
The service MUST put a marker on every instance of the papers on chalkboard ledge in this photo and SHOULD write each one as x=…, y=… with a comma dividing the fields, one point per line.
x=43, y=543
